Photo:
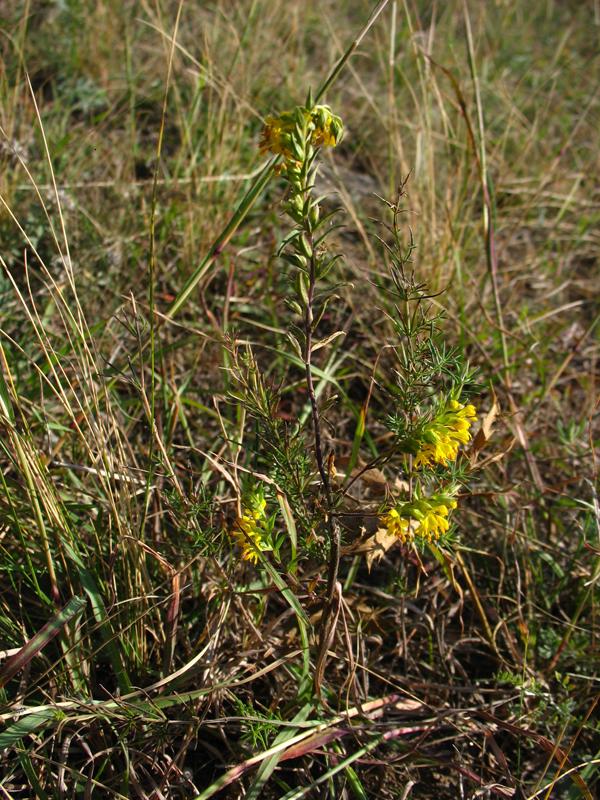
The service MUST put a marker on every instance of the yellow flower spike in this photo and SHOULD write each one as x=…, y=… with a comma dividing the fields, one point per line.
x=249, y=530
x=444, y=434
x=425, y=518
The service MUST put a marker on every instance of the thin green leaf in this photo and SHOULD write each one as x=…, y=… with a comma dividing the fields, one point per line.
x=221, y=241
x=37, y=642
x=26, y=725
x=267, y=767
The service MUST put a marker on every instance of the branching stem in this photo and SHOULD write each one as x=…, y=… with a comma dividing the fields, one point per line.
x=333, y=530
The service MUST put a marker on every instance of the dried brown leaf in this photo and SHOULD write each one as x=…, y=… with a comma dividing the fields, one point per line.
x=484, y=434
x=378, y=545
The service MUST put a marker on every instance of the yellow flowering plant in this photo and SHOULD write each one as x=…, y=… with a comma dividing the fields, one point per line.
x=431, y=418
x=296, y=137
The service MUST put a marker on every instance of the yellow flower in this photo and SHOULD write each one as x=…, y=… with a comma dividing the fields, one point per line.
x=328, y=128
x=275, y=136
x=323, y=129
x=397, y=525
x=424, y=518
x=443, y=436
x=248, y=530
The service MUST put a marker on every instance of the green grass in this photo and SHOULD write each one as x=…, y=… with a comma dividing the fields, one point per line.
x=163, y=665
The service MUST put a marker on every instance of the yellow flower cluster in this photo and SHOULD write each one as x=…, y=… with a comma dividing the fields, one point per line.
x=435, y=521
x=324, y=129
x=248, y=530
x=426, y=518
x=443, y=435
x=398, y=526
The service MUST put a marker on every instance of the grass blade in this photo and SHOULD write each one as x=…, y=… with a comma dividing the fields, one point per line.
x=26, y=725
x=45, y=635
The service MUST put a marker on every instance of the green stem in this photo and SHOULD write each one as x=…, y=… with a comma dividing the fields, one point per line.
x=224, y=237
x=346, y=56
